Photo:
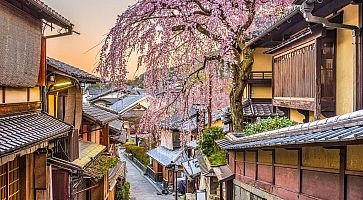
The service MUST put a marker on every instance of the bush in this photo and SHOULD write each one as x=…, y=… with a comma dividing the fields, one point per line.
x=138, y=152
x=208, y=146
x=218, y=158
x=123, y=190
x=209, y=136
x=269, y=124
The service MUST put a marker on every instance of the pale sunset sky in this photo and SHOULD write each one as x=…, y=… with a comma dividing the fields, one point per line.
x=92, y=19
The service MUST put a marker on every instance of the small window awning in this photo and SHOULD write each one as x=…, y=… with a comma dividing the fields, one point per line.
x=223, y=173
x=88, y=151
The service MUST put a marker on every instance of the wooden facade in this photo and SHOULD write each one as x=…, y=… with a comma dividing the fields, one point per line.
x=24, y=173
x=314, y=67
x=299, y=173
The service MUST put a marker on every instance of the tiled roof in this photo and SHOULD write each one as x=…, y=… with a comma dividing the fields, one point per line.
x=99, y=115
x=87, y=152
x=275, y=23
x=96, y=91
x=255, y=109
x=75, y=72
x=127, y=102
x=117, y=125
x=43, y=11
x=23, y=130
x=223, y=173
x=104, y=93
x=165, y=156
x=343, y=128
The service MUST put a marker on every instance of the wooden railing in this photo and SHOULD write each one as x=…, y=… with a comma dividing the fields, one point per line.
x=156, y=176
x=260, y=75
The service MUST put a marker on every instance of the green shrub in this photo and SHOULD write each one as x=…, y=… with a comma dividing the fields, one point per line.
x=209, y=136
x=269, y=124
x=123, y=190
x=105, y=163
x=138, y=152
x=208, y=146
x=218, y=158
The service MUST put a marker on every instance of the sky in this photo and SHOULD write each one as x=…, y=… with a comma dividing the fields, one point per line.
x=92, y=19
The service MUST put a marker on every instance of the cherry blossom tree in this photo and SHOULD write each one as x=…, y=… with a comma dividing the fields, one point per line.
x=193, y=50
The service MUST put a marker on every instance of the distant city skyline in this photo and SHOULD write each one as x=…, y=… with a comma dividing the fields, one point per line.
x=92, y=19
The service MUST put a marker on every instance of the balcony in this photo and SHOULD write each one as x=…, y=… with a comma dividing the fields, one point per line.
x=260, y=77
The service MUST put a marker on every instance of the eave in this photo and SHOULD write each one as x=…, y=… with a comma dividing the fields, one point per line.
x=40, y=10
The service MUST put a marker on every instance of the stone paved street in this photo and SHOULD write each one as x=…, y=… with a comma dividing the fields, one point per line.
x=141, y=188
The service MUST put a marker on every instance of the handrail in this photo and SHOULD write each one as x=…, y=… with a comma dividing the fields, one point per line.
x=260, y=75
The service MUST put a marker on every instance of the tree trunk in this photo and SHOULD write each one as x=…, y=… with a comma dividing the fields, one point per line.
x=240, y=77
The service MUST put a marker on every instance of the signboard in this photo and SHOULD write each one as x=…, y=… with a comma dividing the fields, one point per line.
x=201, y=195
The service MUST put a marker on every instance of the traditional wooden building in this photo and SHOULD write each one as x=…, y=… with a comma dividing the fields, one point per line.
x=28, y=134
x=130, y=109
x=96, y=132
x=316, y=160
x=64, y=100
x=64, y=97
x=316, y=59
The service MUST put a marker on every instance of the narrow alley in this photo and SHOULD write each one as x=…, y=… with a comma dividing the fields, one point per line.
x=141, y=188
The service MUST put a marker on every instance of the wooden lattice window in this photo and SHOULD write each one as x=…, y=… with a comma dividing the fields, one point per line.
x=9, y=181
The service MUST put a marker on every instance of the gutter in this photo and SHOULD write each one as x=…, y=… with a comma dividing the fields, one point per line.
x=306, y=9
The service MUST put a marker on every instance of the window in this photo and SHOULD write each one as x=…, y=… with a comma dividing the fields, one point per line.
x=61, y=107
x=9, y=181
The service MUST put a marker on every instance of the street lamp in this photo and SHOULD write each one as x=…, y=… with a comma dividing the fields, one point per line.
x=174, y=168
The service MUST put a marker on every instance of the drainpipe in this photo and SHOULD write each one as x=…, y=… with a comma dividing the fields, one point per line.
x=359, y=61
x=307, y=8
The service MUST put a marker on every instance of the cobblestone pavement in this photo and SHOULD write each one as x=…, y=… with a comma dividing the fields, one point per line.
x=141, y=188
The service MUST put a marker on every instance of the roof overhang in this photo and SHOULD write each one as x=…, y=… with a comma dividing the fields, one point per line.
x=88, y=152
x=40, y=10
x=294, y=22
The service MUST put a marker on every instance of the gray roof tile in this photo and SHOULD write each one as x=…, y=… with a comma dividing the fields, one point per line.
x=21, y=130
x=98, y=114
x=127, y=102
x=342, y=128
x=165, y=156
x=75, y=72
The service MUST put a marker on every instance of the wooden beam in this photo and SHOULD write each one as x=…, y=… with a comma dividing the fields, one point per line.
x=27, y=94
x=273, y=166
x=342, y=178
x=19, y=107
x=256, y=170
x=244, y=163
x=304, y=104
x=299, y=176
x=3, y=94
x=317, y=110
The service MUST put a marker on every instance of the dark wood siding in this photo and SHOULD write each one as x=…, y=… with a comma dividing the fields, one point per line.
x=294, y=72
x=60, y=185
